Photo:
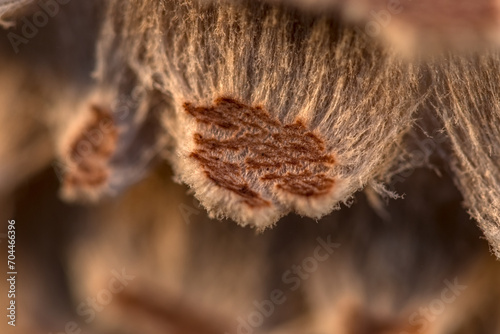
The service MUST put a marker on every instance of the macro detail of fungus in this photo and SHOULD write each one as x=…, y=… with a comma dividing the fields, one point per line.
x=306, y=96
x=293, y=112
x=264, y=108
x=366, y=133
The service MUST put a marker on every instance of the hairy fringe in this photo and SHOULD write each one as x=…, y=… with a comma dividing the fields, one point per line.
x=358, y=96
x=468, y=102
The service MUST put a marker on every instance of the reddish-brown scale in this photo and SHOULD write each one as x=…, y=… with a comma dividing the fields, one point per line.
x=262, y=146
x=228, y=176
x=89, y=167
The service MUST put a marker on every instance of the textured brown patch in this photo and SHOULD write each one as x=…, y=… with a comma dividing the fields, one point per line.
x=90, y=152
x=239, y=145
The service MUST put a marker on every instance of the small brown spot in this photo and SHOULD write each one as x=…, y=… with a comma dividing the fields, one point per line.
x=238, y=146
x=90, y=152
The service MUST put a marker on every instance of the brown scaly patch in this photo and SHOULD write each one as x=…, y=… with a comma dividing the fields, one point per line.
x=238, y=145
x=89, y=153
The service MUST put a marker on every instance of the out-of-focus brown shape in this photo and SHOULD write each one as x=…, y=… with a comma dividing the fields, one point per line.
x=87, y=168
